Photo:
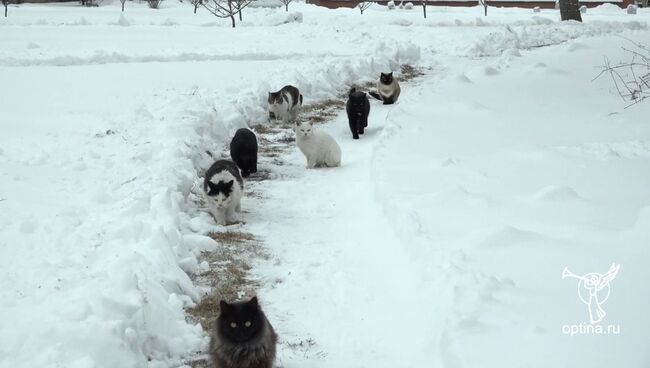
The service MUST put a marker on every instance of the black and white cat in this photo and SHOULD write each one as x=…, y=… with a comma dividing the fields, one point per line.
x=242, y=337
x=224, y=188
x=358, y=109
x=243, y=151
x=285, y=104
x=387, y=89
x=319, y=148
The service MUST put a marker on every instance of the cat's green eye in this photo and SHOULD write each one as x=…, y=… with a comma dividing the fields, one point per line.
x=247, y=323
x=233, y=324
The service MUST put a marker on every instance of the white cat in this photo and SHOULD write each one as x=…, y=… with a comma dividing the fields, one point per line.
x=319, y=148
x=223, y=187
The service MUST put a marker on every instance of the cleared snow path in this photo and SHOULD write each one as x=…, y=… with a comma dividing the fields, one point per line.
x=340, y=263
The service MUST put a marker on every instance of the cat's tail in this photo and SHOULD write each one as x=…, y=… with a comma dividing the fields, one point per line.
x=375, y=95
x=300, y=100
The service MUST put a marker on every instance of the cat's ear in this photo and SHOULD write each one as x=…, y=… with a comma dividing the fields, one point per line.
x=224, y=306
x=229, y=183
x=210, y=187
x=383, y=74
x=254, y=303
x=390, y=74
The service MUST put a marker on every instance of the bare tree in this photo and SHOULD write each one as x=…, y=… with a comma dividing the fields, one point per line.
x=90, y=2
x=241, y=4
x=286, y=4
x=570, y=10
x=226, y=8
x=196, y=4
x=154, y=4
x=364, y=4
x=6, y=4
x=631, y=78
x=485, y=5
x=424, y=8
x=122, y=1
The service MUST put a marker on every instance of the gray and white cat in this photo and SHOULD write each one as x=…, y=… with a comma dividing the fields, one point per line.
x=319, y=148
x=242, y=337
x=223, y=187
x=285, y=104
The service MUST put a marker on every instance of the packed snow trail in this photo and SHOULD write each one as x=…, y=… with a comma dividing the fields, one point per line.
x=340, y=263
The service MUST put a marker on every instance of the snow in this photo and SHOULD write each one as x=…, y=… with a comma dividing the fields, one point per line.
x=439, y=242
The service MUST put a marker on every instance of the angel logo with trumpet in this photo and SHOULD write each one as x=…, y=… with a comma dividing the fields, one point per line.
x=593, y=290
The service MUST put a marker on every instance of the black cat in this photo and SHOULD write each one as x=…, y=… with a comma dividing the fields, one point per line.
x=243, y=150
x=242, y=337
x=358, y=108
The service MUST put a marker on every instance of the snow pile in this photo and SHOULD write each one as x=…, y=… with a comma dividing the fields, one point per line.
x=266, y=4
x=535, y=36
x=500, y=200
x=123, y=21
x=295, y=17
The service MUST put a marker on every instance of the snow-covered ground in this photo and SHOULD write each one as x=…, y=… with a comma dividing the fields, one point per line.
x=440, y=242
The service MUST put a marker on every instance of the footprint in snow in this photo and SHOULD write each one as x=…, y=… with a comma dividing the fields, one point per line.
x=491, y=71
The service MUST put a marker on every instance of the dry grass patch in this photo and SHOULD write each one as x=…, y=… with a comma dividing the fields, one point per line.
x=264, y=129
x=231, y=237
x=409, y=72
x=228, y=275
x=322, y=111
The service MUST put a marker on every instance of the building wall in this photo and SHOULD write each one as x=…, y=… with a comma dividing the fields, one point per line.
x=42, y=1
x=544, y=4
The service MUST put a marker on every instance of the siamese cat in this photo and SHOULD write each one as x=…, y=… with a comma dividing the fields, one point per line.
x=387, y=89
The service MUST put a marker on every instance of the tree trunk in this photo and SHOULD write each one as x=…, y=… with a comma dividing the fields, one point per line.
x=6, y=10
x=232, y=18
x=122, y=6
x=424, y=8
x=570, y=10
x=485, y=7
x=361, y=8
x=286, y=6
x=240, y=15
x=644, y=3
x=196, y=6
